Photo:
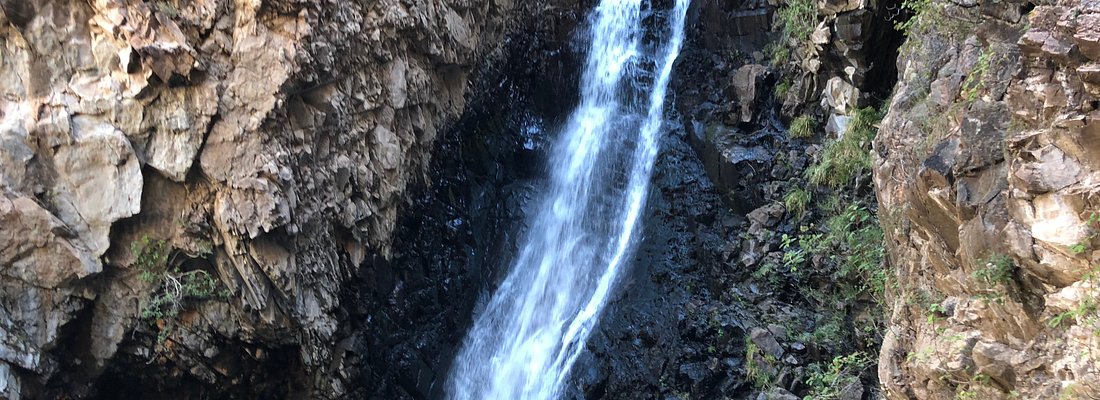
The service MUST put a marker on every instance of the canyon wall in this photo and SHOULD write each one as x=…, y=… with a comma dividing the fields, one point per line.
x=986, y=173
x=238, y=198
x=187, y=185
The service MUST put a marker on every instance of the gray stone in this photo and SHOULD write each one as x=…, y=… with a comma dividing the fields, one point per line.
x=745, y=80
x=766, y=342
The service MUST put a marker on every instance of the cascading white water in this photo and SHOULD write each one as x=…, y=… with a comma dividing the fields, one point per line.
x=523, y=344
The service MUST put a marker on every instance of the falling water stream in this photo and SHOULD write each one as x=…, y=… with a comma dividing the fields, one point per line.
x=531, y=331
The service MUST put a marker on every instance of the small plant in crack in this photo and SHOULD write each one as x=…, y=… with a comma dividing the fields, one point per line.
x=995, y=277
x=1087, y=310
x=936, y=313
x=174, y=287
x=998, y=269
x=782, y=89
x=1082, y=246
x=797, y=201
x=759, y=367
x=802, y=127
x=976, y=80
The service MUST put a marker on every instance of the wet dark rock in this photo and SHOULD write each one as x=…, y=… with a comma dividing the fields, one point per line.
x=758, y=239
x=745, y=82
x=696, y=372
x=741, y=26
x=734, y=168
x=659, y=336
x=765, y=217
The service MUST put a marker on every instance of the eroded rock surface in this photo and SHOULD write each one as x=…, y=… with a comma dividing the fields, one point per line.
x=267, y=143
x=986, y=176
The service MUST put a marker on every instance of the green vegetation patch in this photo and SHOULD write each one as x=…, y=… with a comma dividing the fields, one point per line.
x=174, y=288
x=995, y=277
x=782, y=88
x=833, y=380
x=837, y=262
x=759, y=367
x=975, y=81
x=797, y=200
x=849, y=157
x=797, y=19
x=802, y=127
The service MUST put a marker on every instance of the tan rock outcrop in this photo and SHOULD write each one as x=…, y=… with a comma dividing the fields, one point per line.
x=280, y=137
x=986, y=172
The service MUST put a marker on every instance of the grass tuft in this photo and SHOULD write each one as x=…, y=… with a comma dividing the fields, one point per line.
x=802, y=127
x=849, y=157
x=797, y=200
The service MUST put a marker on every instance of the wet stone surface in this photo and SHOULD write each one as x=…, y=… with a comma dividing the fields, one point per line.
x=661, y=336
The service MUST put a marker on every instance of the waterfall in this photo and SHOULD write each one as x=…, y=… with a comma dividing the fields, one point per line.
x=535, y=325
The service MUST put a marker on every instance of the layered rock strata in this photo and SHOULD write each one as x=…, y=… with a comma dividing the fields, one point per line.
x=986, y=171
x=268, y=144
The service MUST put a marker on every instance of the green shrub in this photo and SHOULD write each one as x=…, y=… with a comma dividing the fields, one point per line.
x=793, y=257
x=150, y=256
x=994, y=278
x=996, y=270
x=802, y=127
x=832, y=380
x=174, y=287
x=936, y=312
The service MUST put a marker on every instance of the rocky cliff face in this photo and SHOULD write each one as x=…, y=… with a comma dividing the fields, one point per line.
x=986, y=171
x=190, y=184
x=227, y=198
